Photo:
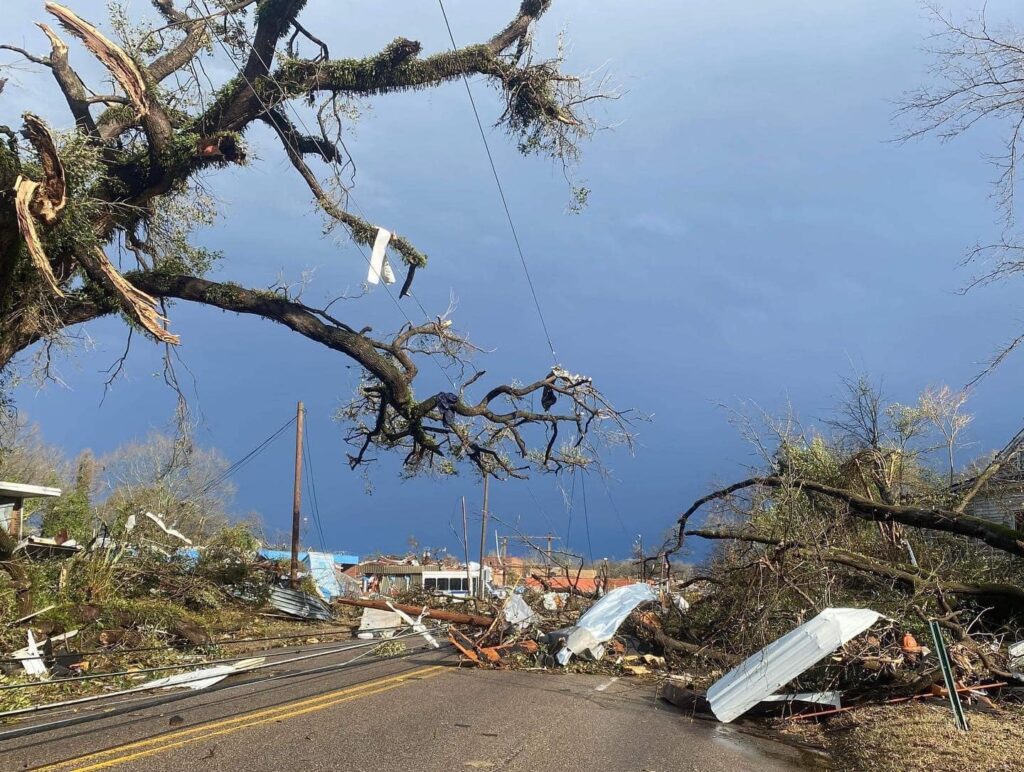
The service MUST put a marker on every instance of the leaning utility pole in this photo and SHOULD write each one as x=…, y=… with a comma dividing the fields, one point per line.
x=297, y=497
x=483, y=539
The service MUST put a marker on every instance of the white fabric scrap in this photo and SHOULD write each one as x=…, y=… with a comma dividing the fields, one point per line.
x=603, y=619
x=379, y=266
x=781, y=661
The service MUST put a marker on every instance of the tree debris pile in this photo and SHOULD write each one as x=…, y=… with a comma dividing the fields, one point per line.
x=917, y=737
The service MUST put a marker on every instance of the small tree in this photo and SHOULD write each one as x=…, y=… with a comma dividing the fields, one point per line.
x=71, y=514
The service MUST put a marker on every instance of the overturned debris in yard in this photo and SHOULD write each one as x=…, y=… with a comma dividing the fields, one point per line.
x=767, y=671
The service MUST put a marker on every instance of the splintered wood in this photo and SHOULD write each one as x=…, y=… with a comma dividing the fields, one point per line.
x=136, y=303
x=24, y=190
x=113, y=58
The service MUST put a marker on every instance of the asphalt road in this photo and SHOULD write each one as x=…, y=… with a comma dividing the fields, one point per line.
x=420, y=712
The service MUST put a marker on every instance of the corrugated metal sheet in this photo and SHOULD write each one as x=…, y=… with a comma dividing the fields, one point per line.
x=391, y=569
x=780, y=662
x=299, y=604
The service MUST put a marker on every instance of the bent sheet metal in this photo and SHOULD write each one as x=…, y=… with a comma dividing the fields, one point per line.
x=778, y=663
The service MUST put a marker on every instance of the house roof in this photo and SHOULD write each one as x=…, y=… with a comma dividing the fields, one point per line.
x=561, y=584
x=13, y=490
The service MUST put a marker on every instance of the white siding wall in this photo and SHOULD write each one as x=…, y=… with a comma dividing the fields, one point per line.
x=999, y=508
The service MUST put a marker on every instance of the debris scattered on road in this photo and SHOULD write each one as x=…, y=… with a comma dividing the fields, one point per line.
x=378, y=624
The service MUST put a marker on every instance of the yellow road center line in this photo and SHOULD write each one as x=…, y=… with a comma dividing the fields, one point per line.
x=171, y=740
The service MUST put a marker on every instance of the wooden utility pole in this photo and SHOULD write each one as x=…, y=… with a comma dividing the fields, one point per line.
x=297, y=497
x=465, y=545
x=483, y=539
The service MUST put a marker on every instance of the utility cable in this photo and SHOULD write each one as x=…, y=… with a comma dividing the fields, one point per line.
x=501, y=191
x=244, y=460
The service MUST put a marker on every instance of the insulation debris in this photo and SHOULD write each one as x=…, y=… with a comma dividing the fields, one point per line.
x=599, y=623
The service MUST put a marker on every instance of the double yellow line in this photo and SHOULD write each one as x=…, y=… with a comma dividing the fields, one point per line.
x=122, y=754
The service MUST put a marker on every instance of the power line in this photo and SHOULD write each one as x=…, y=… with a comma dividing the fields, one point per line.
x=615, y=508
x=501, y=191
x=244, y=460
x=586, y=515
x=311, y=488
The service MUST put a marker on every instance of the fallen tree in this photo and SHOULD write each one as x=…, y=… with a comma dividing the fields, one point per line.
x=861, y=517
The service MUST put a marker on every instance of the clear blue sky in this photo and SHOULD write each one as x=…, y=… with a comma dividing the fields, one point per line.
x=752, y=235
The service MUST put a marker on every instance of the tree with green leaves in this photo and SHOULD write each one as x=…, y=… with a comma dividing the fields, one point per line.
x=126, y=172
x=71, y=514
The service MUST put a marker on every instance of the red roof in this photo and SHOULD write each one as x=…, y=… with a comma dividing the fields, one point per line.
x=561, y=584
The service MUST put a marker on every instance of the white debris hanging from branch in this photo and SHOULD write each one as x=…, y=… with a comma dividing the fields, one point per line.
x=380, y=269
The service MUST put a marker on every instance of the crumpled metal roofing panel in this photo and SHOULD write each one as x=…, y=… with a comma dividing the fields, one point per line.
x=781, y=661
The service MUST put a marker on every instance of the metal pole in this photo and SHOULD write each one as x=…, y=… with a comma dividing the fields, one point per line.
x=297, y=497
x=483, y=538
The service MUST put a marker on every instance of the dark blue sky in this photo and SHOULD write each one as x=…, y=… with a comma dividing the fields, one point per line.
x=752, y=235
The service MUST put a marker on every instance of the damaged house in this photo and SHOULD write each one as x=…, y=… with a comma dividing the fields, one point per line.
x=1000, y=499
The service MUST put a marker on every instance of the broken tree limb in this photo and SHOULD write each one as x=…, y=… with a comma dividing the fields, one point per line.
x=136, y=303
x=910, y=577
x=668, y=643
x=455, y=617
x=996, y=535
x=24, y=191
x=51, y=196
x=110, y=55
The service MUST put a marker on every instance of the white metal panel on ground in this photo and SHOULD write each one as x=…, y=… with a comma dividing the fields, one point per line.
x=603, y=619
x=781, y=661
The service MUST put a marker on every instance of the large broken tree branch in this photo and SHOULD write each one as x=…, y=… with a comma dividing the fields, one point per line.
x=913, y=579
x=934, y=519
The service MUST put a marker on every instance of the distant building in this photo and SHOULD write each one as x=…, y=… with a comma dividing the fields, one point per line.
x=392, y=576
x=1001, y=498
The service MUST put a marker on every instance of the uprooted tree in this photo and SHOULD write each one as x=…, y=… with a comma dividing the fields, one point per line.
x=863, y=515
x=125, y=178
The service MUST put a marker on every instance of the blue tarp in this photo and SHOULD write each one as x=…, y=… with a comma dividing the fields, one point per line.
x=341, y=558
x=321, y=568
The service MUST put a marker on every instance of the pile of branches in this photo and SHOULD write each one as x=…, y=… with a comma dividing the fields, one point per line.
x=857, y=520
